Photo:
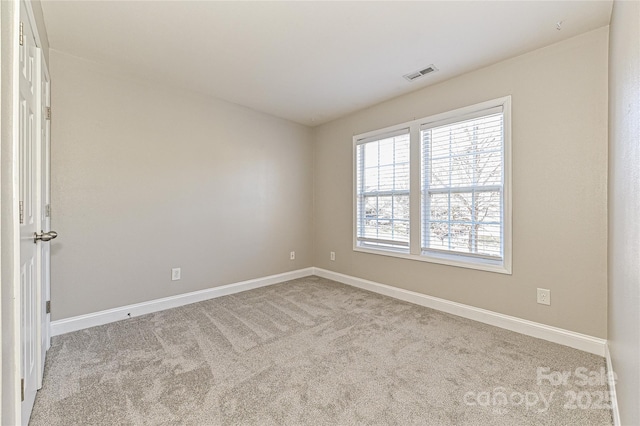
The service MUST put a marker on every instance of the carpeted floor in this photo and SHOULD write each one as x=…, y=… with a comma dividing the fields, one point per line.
x=315, y=352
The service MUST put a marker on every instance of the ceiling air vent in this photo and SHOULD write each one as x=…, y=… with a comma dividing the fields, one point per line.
x=415, y=75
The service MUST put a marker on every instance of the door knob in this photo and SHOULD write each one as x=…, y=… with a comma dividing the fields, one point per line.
x=44, y=236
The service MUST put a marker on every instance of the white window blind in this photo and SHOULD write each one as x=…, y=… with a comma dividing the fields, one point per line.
x=382, y=191
x=463, y=186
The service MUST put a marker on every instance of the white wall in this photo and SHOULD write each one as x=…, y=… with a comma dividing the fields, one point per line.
x=146, y=178
x=559, y=114
x=624, y=205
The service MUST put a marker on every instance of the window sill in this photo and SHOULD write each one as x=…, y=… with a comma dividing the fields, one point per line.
x=442, y=259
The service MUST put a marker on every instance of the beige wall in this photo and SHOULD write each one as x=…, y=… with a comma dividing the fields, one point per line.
x=559, y=114
x=146, y=178
x=624, y=205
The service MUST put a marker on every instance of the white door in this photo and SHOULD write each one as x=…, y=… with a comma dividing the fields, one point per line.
x=33, y=193
x=45, y=217
x=29, y=76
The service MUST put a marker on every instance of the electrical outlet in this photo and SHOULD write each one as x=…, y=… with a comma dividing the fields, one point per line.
x=292, y=255
x=175, y=274
x=544, y=296
x=332, y=255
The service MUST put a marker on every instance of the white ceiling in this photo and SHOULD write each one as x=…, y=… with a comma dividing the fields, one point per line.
x=309, y=61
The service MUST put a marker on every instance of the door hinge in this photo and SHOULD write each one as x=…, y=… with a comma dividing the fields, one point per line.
x=48, y=113
x=21, y=206
x=21, y=389
x=48, y=307
x=21, y=39
x=47, y=210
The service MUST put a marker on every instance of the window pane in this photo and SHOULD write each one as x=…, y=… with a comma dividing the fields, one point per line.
x=371, y=179
x=440, y=173
x=488, y=240
x=439, y=207
x=370, y=229
x=385, y=207
x=461, y=206
x=401, y=230
x=461, y=170
x=440, y=144
x=461, y=238
x=488, y=168
x=371, y=208
x=386, y=178
x=488, y=206
x=401, y=207
x=385, y=230
x=371, y=154
x=439, y=235
x=386, y=151
x=402, y=176
x=402, y=149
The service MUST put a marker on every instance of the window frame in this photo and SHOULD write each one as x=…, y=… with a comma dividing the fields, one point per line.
x=416, y=219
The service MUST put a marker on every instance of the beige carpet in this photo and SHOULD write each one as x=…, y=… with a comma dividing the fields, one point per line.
x=314, y=352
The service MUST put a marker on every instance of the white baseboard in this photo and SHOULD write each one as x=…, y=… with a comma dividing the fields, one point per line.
x=80, y=322
x=572, y=339
x=611, y=378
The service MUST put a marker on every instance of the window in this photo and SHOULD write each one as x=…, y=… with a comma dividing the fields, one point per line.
x=456, y=167
x=462, y=186
x=383, y=191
